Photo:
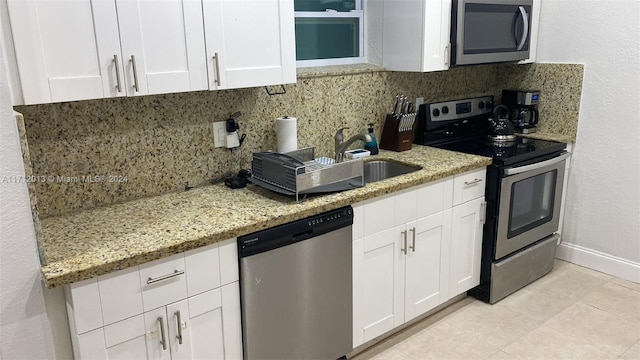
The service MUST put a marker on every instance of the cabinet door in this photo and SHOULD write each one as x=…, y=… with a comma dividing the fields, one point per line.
x=378, y=268
x=163, y=43
x=249, y=43
x=466, y=245
x=180, y=331
x=204, y=327
x=89, y=345
x=156, y=326
x=122, y=340
x=436, y=42
x=66, y=50
x=424, y=26
x=427, y=269
x=126, y=339
x=231, y=321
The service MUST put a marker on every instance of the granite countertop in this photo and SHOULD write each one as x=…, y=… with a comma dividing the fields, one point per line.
x=551, y=136
x=89, y=243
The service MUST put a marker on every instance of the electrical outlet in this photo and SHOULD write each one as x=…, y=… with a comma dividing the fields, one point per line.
x=419, y=101
x=219, y=133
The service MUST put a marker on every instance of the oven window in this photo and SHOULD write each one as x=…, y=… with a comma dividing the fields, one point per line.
x=532, y=201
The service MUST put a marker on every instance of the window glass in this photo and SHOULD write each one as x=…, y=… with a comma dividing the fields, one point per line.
x=327, y=38
x=322, y=5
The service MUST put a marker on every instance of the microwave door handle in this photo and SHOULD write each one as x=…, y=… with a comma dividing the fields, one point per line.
x=521, y=169
x=525, y=27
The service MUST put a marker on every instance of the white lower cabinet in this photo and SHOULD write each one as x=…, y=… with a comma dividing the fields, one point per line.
x=191, y=309
x=427, y=274
x=188, y=329
x=466, y=245
x=413, y=250
x=122, y=340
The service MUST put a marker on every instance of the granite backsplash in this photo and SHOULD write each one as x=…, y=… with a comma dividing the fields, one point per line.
x=141, y=146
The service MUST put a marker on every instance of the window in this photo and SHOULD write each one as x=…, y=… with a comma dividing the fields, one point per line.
x=329, y=32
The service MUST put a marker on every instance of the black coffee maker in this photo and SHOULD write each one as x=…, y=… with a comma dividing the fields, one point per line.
x=523, y=109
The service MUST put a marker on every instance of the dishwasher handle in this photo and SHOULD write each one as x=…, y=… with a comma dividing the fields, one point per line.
x=303, y=235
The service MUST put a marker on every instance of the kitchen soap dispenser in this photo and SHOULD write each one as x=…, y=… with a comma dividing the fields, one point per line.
x=372, y=145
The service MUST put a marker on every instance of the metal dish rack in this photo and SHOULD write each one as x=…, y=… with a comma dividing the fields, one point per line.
x=300, y=173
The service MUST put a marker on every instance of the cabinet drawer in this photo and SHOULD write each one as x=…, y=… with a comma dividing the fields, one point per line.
x=469, y=186
x=163, y=282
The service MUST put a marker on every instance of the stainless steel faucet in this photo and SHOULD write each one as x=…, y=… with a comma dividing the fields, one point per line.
x=341, y=146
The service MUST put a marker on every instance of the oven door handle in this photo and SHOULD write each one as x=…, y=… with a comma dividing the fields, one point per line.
x=521, y=169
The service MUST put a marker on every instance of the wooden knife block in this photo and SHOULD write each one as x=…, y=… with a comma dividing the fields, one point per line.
x=392, y=138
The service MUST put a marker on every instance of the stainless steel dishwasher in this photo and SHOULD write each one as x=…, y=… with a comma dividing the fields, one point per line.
x=296, y=289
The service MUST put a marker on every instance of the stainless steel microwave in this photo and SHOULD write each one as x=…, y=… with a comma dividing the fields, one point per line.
x=490, y=31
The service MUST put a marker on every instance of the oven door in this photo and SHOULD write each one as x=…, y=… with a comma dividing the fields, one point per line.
x=529, y=205
x=489, y=31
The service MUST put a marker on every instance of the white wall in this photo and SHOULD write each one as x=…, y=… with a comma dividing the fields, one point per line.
x=33, y=322
x=602, y=219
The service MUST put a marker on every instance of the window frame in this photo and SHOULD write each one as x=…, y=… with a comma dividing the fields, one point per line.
x=357, y=13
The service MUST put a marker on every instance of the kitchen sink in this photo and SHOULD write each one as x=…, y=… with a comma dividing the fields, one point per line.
x=378, y=170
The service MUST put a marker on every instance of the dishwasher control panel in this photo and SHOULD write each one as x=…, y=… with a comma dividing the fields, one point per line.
x=295, y=231
x=332, y=216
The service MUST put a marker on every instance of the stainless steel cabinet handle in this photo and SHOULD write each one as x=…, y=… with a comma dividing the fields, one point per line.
x=404, y=249
x=475, y=181
x=413, y=239
x=217, y=68
x=483, y=212
x=179, y=336
x=151, y=280
x=525, y=27
x=447, y=54
x=117, y=65
x=135, y=73
x=163, y=339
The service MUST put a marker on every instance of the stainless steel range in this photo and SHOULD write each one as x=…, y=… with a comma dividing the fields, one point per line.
x=523, y=192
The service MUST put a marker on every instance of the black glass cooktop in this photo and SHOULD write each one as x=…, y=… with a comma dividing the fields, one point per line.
x=521, y=149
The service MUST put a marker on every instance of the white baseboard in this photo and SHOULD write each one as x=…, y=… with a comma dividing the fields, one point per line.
x=599, y=261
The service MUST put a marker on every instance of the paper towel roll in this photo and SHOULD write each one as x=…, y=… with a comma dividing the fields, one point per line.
x=287, y=133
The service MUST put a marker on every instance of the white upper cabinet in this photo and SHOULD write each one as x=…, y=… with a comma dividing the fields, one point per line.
x=249, y=43
x=162, y=46
x=66, y=50
x=416, y=35
x=77, y=50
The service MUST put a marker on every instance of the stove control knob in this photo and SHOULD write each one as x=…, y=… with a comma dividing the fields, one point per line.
x=436, y=112
x=481, y=105
x=445, y=109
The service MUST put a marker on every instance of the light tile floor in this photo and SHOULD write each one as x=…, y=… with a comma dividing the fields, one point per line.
x=571, y=313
